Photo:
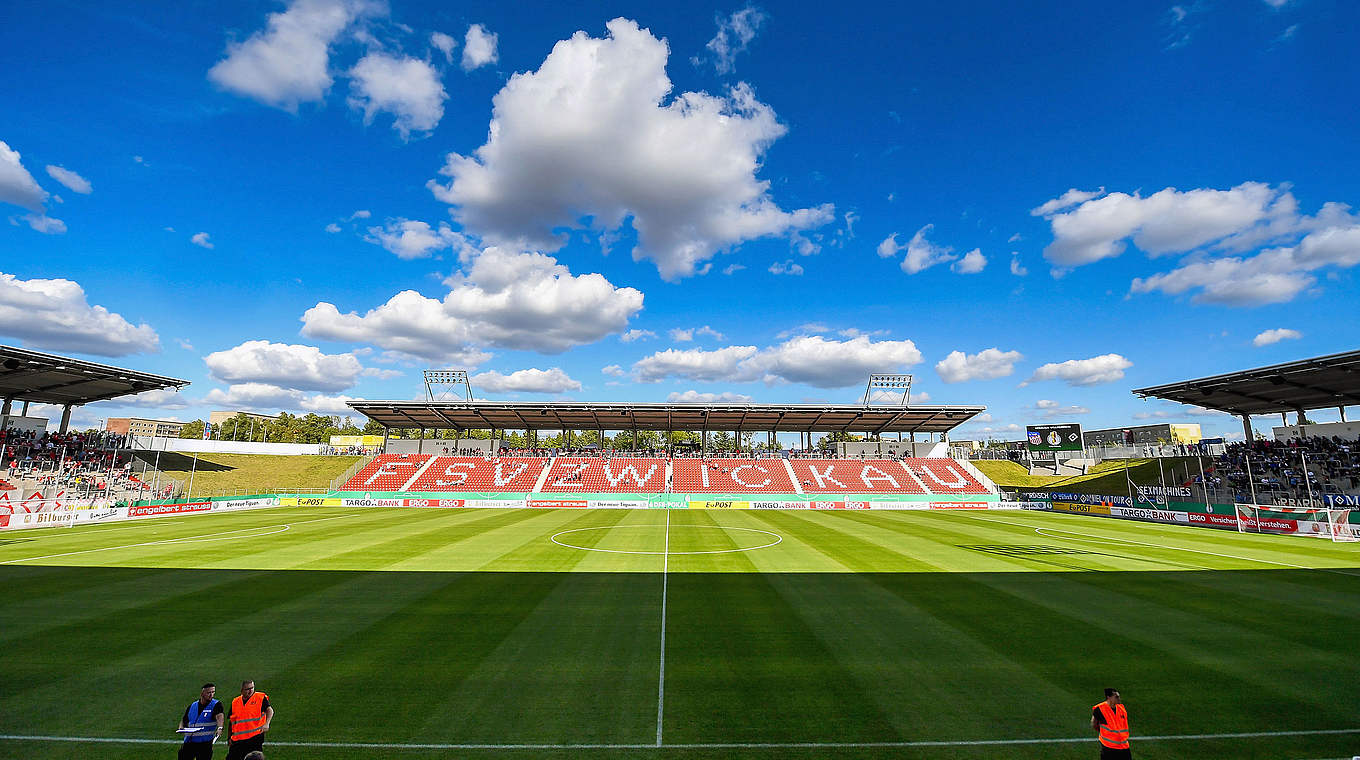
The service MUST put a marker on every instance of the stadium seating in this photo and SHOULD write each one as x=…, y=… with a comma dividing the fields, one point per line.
x=391, y=472
x=480, y=474
x=730, y=476
x=388, y=472
x=854, y=476
x=596, y=475
x=944, y=476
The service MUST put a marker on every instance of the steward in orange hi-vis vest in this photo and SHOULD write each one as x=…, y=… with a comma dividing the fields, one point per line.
x=249, y=719
x=1111, y=721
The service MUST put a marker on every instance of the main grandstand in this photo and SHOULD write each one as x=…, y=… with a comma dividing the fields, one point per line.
x=605, y=475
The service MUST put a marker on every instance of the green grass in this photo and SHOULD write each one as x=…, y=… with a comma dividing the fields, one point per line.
x=1106, y=478
x=473, y=626
x=227, y=474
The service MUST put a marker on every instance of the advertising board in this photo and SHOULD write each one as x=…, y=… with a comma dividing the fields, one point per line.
x=1064, y=437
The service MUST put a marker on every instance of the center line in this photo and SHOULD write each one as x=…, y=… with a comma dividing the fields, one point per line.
x=661, y=679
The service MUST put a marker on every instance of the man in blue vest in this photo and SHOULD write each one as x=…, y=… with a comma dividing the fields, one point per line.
x=201, y=724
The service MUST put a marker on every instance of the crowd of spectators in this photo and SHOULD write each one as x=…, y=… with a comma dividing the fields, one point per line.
x=92, y=463
x=1286, y=470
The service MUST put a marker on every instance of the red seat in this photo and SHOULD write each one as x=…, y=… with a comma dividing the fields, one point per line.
x=945, y=476
x=387, y=472
x=594, y=475
x=853, y=476
x=518, y=474
x=730, y=476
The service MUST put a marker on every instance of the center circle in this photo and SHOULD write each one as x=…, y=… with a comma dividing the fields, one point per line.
x=777, y=539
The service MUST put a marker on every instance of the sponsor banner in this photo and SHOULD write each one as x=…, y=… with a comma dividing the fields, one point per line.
x=310, y=501
x=1154, y=515
x=156, y=510
x=559, y=503
x=1034, y=506
x=1081, y=509
x=268, y=501
x=435, y=503
x=1341, y=500
x=902, y=505
x=616, y=504
x=373, y=502
x=1181, y=491
x=958, y=505
x=780, y=505
x=720, y=505
x=848, y=505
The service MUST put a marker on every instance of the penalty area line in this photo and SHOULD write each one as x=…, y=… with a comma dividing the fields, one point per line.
x=925, y=743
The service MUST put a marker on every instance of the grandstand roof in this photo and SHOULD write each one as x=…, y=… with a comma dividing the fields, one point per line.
x=50, y=379
x=513, y=415
x=1318, y=383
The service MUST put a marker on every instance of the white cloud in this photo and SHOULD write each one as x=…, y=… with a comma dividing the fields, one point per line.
x=694, y=364
x=288, y=366
x=504, y=299
x=158, y=399
x=680, y=335
x=443, y=43
x=332, y=228
x=289, y=62
x=612, y=370
x=526, y=381
x=45, y=224
x=265, y=397
x=54, y=314
x=1017, y=268
x=407, y=88
x=201, y=239
x=479, y=47
x=786, y=267
x=1275, y=275
x=70, y=179
x=636, y=334
x=184, y=344
x=17, y=186
x=1096, y=370
x=735, y=33
x=411, y=239
x=695, y=397
x=733, y=268
x=1275, y=336
x=1052, y=409
x=921, y=253
x=987, y=364
x=589, y=136
x=971, y=263
x=1072, y=197
x=810, y=359
x=1169, y=221
x=362, y=213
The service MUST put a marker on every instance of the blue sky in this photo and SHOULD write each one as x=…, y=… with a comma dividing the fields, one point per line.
x=1035, y=209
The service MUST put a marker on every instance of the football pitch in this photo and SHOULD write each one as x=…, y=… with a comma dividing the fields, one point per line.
x=543, y=634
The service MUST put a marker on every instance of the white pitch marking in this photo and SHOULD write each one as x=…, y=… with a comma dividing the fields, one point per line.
x=1039, y=531
x=170, y=540
x=777, y=539
x=707, y=745
x=661, y=677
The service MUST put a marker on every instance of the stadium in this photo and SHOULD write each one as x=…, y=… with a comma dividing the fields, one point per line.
x=679, y=381
x=689, y=602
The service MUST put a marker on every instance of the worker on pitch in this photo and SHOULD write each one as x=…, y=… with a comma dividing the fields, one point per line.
x=1111, y=722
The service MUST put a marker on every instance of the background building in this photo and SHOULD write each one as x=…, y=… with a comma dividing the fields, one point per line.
x=1164, y=432
x=144, y=427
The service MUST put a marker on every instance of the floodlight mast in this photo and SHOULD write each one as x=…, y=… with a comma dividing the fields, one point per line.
x=885, y=381
x=448, y=381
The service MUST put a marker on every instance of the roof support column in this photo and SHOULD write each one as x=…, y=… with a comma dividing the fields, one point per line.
x=1300, y=420
x=420, y=447
x=24, y=412
x=1340, y=409
x=385, y=432
x=65, y=417
x=1246, y=428
x=9, y=403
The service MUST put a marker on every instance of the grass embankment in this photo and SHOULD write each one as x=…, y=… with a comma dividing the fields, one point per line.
x=228, y=474
x=1106, y=477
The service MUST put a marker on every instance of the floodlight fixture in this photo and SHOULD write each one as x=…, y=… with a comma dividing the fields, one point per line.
x=448, y=381
x=886, y=381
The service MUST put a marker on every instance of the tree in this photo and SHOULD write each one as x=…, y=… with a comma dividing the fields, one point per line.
x=828, y=442
x=194, y=429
